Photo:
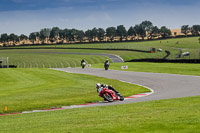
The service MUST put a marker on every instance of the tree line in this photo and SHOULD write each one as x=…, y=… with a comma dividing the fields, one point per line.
x=144, y=30
x=194, y=30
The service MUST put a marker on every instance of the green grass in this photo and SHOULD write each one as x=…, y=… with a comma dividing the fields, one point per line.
x=172, y=68
x=37, y=59
x=174, y=115
x=188, y=44
x=28, y=89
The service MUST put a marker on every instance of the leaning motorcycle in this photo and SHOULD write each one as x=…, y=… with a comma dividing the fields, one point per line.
x=110, y=95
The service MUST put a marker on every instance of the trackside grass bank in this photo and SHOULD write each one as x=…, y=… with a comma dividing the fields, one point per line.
x=30, y=89
x=173, y=115
x=187, y=44
x=171, y=68
x=47, y=58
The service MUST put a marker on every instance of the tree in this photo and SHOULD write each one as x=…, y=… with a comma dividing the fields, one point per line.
x=4, y=38
x=14, y=38
x=72, y=34
x=121, y=32
x=195, y=29
x=165, y=32
x=66, y=34
x=94, y=33
x=23, y=37
x=147, y=27
x=44, y=34
x=111, y=32
x=101, y=34
x=185, y=29
x=80, y=35
x=131, y=32
x=32, y=37
x=54, y=34
x=89, y=35
x=155, y=32
x=61, y=34
x=140, y=31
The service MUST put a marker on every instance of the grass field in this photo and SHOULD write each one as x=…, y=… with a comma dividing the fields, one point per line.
x=189, y=44
x=29, y=89
x=42, y=59
x=173, y=115
x=171, y=68
x=48, y=58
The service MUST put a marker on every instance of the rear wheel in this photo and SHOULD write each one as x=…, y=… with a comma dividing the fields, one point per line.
x=108, y=97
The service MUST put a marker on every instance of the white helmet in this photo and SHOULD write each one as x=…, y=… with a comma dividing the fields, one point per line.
x=98, y=85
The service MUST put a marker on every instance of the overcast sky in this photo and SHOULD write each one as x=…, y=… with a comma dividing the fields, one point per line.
x=26, y=16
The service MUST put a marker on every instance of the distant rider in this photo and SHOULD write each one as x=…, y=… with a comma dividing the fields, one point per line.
x=83, y=63
x=106, y=64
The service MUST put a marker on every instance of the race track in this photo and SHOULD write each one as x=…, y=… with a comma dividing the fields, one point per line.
x=165, y=86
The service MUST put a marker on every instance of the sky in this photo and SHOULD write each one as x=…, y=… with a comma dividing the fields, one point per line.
x=26, y=16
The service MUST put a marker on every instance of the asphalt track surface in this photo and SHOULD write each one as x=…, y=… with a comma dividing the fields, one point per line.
x=165, y=86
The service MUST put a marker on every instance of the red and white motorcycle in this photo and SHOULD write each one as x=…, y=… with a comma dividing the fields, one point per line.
x=110, y=95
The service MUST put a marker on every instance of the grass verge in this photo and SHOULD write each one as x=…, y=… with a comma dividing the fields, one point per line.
x=172, y=115
x=28, y=89
x=171, y=68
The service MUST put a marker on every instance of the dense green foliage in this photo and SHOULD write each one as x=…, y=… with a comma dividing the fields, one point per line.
x=145, y=29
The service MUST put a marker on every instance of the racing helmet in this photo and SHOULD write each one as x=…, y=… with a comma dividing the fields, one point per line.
x=98, y=85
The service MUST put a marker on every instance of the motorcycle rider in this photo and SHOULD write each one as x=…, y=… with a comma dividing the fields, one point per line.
x=101, y=86
x=106, y=64
x=82, y=63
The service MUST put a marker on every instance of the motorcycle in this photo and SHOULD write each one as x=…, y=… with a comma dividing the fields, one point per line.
x=110, y=95
x=106, y=65
x=83, y=65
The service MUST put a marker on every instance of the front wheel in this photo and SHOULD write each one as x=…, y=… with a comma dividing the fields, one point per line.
x=108, y=97
x=106, y=67
x=121, y=98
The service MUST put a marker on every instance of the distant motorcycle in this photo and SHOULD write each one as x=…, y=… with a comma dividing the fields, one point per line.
x=110, y=95
x=83, y=65
x=106, y=65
